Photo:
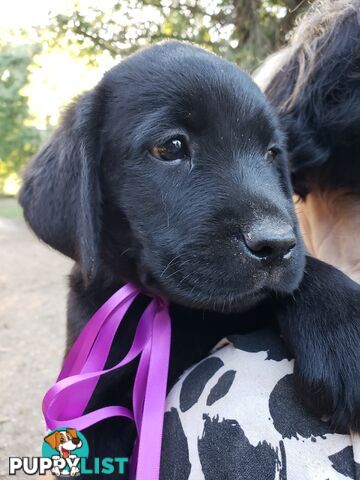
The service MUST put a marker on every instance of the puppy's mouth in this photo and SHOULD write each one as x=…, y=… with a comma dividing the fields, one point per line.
x=198, y=294
x=65, y=453
x=227, y=286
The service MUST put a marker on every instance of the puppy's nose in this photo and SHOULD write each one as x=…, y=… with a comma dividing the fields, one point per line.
x=76, y=441
x=270, y=241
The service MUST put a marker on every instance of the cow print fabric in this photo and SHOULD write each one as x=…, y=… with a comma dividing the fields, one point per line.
x=236, y=416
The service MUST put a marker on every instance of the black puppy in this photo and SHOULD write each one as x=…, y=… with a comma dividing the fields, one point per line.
x=172, y=173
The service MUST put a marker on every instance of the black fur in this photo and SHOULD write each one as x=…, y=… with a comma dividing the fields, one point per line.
x=323, y=120
x=97, y=194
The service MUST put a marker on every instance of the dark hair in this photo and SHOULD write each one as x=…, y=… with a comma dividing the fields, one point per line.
x=316, y=90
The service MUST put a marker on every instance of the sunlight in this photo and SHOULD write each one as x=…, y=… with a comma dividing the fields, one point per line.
x=11, y=185
x=56, y=78
x=57, y=75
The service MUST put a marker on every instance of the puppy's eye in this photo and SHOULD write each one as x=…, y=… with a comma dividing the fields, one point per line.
x=272, y=153
x=174, y=149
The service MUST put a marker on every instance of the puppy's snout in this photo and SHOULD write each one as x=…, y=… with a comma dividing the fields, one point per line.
x=268, y=241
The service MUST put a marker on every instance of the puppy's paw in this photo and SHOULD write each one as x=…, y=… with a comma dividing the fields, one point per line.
x=321, y=324
x=327, y=377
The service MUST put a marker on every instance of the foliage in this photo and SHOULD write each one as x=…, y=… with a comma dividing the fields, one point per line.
x=244, y=31
x=18, y=140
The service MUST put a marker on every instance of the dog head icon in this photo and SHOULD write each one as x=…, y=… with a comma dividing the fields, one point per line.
x=64, y=441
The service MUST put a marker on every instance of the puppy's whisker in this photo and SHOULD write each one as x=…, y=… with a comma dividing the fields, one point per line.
x=174, y=273
x=178, y=269
x=171, y=261
x=125, y=251
x=186, y=276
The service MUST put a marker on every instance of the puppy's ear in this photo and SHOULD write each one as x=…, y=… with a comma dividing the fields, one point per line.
x=53, y=439
x=72, y=432
x=61, y=194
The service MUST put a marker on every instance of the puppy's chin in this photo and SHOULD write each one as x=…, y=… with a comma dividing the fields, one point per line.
x=229, y=302
x=204, y=298
x=238, y=294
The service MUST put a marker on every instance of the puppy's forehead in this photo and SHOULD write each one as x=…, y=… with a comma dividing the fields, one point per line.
x=222, y=103
x=221, y=100
x=179, y=72
x=175, y=83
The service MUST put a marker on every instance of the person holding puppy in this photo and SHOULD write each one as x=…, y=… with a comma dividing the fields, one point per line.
x=314, y=83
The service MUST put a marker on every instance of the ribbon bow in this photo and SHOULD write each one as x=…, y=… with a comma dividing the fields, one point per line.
x=85, y=364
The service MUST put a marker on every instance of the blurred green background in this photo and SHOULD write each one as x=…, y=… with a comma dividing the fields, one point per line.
x=50, y=51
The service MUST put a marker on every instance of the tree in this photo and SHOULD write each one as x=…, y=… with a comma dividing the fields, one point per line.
x=244, y=31
x=18, y=140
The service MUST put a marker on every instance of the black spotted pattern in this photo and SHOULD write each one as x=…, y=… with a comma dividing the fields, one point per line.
x=221, y=388
x=289, y=416
x=195, y=382
x=175, y=463
x=343, y=462
x=225, y=452
x=266, y=339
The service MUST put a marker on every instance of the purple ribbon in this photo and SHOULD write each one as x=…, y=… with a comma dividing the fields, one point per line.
x=85, y=364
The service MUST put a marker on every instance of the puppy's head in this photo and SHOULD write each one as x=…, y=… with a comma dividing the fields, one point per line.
x=171, y=173
x=64, y=440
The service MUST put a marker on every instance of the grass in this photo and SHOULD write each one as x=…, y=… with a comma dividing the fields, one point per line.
x=9, y=208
